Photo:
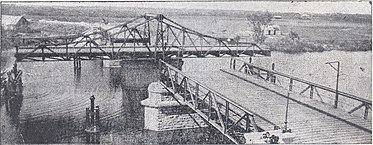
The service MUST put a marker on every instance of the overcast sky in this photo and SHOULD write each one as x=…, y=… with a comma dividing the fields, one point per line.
x=352, y=7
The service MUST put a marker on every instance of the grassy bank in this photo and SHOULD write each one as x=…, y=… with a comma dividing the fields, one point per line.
x=299, y=46
x=95, y=14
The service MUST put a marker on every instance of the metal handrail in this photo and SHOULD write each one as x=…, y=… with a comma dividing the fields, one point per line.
x=354, y=97
x=217, y=93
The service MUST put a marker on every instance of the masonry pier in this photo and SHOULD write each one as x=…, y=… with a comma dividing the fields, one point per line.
x=162, y=112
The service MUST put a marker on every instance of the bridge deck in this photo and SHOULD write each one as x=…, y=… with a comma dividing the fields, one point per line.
x=311, y=121
x=60, y=53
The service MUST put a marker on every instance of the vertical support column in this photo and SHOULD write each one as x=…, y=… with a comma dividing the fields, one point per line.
x=176, y=81
x=17, y=49
x=234, y=64
x=248, y=122
x=97, y=110
x=210, y=107
x=366, y=111
x=136, y=75
x=77, y=63
x=92, y=98
x=90, y=47
x=230, y=63
x=92, y=123
x=42, y=52
x=273, y=77
x=311, y=91
x=196, y=96
x=87, y=120
x=226, y=116
x=287, y=106
x=67, y=49
x=336, y=88
x=185, y=89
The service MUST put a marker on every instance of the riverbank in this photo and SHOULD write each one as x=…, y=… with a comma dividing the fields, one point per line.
x=10, y=133
x=7, y=59
x=317, y=32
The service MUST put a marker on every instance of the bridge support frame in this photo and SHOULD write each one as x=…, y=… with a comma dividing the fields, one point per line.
x=312, y=87
x=226, y=116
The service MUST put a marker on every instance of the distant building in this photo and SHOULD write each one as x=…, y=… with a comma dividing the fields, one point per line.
x=272, y=30
x=277, y=17
x=305, y=17
x=13, y=22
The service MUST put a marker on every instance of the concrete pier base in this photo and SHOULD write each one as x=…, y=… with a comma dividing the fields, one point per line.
x=163, y=113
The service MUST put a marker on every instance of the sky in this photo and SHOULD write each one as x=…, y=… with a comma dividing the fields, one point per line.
x=351, y=7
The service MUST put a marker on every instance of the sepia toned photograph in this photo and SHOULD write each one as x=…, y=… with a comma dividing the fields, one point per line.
x=186, y=72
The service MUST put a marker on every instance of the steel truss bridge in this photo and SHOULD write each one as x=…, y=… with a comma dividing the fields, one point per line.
x=146, y=36
x=253, y=99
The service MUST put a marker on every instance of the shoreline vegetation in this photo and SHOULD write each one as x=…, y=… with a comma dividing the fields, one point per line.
x=352, y=30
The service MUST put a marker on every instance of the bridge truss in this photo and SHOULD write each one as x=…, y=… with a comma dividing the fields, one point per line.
x=146, y=36
x=231, y=119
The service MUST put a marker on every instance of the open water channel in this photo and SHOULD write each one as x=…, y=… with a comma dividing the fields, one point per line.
x=53, y=107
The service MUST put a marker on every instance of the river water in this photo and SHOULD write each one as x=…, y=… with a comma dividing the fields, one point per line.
x=55, y=98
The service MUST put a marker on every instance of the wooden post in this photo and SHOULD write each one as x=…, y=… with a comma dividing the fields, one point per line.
x=226, y=116
x=210, y=103
x=287, y=104
x=234, y=64
x=90, y=48
x=185, y=89
x=336, y=88
x=74, y=63
x=87, y=117
x=16, y=49
x=311, y=91
x=366, y=111
x=196, y=96
x=79, y=63
x=247, y=118
x=230, y=64
x=273, y=77
x=97, y=116
x=42, y=53
x=92, y=98
x=67, y=49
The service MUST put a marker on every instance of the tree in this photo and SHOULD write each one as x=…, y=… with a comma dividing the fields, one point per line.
x=293, y=36
x=258, y=21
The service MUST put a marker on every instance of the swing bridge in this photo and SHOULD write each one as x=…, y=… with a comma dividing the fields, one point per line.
x=240, y=100
x=147, y=36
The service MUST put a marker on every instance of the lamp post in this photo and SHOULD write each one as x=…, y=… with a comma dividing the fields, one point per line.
x=336, y=87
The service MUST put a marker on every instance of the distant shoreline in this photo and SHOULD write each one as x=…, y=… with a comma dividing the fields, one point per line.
x=288, y=6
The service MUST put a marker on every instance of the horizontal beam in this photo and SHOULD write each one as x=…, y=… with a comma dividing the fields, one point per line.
x=308, y=82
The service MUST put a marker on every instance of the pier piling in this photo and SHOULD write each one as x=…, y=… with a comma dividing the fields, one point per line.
x=92, y=123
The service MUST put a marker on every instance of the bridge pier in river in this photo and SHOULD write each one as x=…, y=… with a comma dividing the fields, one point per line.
x=163, y=112
x=137, y=74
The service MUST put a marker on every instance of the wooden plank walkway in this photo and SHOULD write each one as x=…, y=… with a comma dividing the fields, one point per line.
x=311, y=121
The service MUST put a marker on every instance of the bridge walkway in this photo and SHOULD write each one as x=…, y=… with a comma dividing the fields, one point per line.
x=310, y=120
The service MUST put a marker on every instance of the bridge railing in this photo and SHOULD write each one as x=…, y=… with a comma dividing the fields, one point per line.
x=349, y=101
x=228, y=117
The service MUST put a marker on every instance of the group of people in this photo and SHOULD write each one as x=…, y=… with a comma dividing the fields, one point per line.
x=270, y=139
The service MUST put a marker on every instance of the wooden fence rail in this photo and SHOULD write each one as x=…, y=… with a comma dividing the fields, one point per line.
x=272, y=75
